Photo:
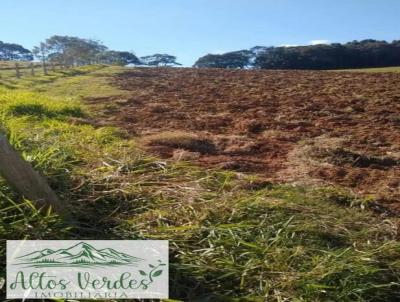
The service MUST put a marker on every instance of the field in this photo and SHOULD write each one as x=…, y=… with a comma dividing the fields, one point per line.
x=287, y=126
x=270, y=185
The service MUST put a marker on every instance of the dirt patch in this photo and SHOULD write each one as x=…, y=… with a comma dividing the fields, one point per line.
x=181, y=140
x=299, y=126
x=343, y=157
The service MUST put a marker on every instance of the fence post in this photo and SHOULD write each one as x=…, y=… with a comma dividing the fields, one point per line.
x=44, y=67
x=17, y=73
x=32, y=70
x=20, y=175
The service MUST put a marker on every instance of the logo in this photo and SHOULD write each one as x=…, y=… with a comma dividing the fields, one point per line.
x=91, y=269
x=79, y=255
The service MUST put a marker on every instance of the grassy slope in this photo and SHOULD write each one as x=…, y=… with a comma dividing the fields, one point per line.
x=232, y=236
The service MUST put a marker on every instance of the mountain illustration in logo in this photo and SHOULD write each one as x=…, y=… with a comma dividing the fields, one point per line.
x=81, y=254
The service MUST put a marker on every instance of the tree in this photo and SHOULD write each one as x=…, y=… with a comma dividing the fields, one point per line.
x=74, y=51
x=117, y=58
x=14, y=52
x=160, y=60
x=234, y=59
x=41, y=52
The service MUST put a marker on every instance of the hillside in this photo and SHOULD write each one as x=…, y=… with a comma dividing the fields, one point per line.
x=270, y=186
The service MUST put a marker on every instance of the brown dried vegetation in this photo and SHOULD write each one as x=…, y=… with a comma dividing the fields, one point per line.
x=339, y=128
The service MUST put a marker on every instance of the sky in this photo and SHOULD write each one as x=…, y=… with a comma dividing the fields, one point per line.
x=190, y=29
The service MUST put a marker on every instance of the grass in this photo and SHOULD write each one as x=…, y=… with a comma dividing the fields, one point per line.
x=8, y=69
x=377, y=69
x=77, y=83
x=28, y=104
x=230, y=241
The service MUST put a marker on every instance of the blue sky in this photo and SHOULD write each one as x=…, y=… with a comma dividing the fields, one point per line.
x=192, y=28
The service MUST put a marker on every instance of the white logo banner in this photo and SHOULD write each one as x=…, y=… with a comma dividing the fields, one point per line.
x=87, y=269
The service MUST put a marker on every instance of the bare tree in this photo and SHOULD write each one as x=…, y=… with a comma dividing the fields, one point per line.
x=41, y=52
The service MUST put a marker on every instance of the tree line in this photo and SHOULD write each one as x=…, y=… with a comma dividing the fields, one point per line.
x=73, y=51
x=356, y=54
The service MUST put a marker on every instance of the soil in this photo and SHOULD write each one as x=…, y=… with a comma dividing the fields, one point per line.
x=311, y=127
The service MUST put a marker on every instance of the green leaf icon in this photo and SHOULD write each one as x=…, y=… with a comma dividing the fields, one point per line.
x=157, y=273
x=151, y=265
x=142, y=273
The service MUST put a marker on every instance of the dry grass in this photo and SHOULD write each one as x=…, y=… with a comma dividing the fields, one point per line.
x=258, y=118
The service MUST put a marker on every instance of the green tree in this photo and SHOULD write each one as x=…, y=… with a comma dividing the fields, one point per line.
x=14, y=52
x=160, y=60
x=117, y=58
x=234, y=59
x=74, y=51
